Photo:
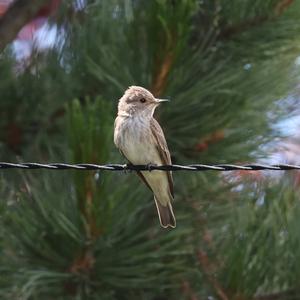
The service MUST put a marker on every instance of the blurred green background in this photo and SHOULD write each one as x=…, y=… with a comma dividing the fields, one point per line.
x=231, y=70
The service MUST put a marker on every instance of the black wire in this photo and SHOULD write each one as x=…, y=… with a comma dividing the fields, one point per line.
x=150, y=167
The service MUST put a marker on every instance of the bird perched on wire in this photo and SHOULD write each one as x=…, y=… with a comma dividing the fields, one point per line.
x=141, y=140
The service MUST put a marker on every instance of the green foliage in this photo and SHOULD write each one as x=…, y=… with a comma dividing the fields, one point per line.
x=270, y=217
x=78, y=236
x=95, y=235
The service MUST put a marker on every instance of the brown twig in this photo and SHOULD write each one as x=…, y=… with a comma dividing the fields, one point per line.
x=19, y=13
x=161, y=75
x=282, y=6
x=234, y=29
x=207, y=269
x=93, y=231
x=163, y=62
x=188, y=292
x=208, y=140
x=83, y=263
x=14, y=136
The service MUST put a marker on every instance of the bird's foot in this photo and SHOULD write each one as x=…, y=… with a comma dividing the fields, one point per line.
x=127, y=168
x=150, y=166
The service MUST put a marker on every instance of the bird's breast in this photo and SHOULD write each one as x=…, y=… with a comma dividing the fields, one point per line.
x=136, y=141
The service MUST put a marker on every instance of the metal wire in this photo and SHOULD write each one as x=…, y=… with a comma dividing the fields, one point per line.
x=150, y=167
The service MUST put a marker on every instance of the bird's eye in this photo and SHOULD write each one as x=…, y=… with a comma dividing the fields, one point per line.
x=142, y=100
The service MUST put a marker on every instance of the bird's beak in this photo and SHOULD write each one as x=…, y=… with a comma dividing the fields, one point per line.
x=162, y=100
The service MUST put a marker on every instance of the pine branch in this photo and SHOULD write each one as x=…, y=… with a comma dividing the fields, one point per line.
x=234, y=29
x=282, y=6
x=161, y=75
x=188, y=292
x=288, y=294
x=17, y=15
x=210, y=139
x=83, y=262
x=206, y=267
x=229, y=31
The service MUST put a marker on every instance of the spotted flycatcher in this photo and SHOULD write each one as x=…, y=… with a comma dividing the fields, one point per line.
x=141, y=140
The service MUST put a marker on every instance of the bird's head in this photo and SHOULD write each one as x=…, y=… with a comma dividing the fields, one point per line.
x=137, y=101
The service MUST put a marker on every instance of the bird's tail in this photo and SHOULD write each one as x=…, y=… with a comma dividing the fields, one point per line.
x=165, y=214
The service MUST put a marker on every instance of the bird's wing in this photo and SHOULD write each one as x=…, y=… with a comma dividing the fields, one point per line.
x=162, y=148
x=138, y=172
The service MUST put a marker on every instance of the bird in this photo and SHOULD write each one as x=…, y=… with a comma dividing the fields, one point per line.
x=141, y=141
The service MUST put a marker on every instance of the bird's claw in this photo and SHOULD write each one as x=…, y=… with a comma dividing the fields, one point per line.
x=126, y=168
x=150, y=165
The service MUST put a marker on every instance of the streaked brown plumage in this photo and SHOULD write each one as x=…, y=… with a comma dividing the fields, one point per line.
x=140, y=139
